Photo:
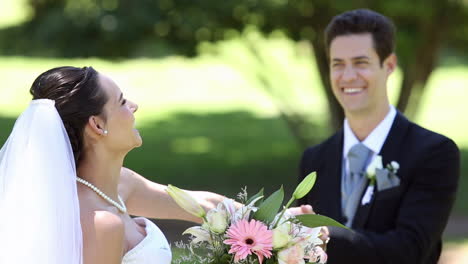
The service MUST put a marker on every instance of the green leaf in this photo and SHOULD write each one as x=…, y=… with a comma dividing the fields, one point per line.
x=224, y=259
x=305, y=186
x=260, y=193
x=311, y=220
x=270, y=207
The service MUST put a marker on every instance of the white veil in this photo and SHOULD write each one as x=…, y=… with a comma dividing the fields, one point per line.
x=40, y=213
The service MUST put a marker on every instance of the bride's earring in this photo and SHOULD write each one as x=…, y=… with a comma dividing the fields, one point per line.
x=105, y=132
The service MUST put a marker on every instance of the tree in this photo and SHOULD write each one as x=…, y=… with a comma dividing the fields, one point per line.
x=122, y=28
x=423, y=30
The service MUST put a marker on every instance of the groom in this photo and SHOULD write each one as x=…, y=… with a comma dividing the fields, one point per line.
x=399, y=215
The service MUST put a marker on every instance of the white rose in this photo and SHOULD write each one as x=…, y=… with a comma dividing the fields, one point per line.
x=375, y=164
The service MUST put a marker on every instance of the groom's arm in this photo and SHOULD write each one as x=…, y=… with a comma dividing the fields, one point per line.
x=422, y=216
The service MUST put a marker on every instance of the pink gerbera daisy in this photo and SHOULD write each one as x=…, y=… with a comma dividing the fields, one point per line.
x=246, y=238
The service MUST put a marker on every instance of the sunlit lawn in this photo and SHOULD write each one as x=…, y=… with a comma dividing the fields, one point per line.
x=209, y=84
x=226, y=82
x=229, y=134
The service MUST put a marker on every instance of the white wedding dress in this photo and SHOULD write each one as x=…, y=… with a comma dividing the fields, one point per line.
x=153, y=249
x=41, y=198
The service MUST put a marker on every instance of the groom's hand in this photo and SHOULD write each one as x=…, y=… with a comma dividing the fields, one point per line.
x=300, y=210
x=307, y=209
x=324, y=236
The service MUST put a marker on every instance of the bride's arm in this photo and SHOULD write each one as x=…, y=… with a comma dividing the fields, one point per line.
x=149, y=199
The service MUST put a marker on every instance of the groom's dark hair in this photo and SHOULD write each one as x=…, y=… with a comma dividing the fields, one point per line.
x=77, y=96
x=362, y=21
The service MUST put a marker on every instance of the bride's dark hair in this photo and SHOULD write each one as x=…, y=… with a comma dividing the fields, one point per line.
x=77, y=96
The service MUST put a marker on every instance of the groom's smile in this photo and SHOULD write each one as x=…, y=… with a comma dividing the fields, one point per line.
x=352, y=90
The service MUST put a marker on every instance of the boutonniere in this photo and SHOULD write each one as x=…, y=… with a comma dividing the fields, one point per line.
x=385, y=178
x=371, y=169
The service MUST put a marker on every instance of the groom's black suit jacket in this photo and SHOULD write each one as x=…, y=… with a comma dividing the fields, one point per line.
x=402, y=224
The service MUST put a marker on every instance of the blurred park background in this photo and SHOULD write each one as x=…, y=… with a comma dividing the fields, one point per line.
x=231, y=92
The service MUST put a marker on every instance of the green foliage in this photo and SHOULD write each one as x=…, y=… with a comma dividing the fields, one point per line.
x=224, y=259
x=313, y=220
x=122, y=28
x=119, y=28
x=251, y=199
x=217, y=143
x=269, y=208
x=219, y=152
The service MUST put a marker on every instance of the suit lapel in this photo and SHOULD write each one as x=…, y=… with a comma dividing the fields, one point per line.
x=362, y=212
x=389, y=152
x=392, y=146
x=332, y=187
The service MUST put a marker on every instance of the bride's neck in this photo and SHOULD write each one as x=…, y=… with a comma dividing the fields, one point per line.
x=102, y=170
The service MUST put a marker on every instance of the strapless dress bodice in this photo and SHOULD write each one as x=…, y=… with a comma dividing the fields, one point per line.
x=153, y=249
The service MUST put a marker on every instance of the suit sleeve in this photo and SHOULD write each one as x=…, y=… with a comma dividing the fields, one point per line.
x=421, y=219
x=307, y=165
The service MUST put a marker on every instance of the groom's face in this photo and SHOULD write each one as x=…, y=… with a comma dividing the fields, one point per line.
x=357, y=76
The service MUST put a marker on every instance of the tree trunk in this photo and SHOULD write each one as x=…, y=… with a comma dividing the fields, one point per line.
x=41, y=7
x=320, y=22
x=336, y=112
x=420, y=66
x=293, y=120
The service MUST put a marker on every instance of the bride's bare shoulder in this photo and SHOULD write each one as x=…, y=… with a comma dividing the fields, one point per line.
x=103, y=237
x=126, y=183
x=126, y=176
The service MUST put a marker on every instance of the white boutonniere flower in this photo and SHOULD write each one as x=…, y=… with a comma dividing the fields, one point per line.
x=371, y=169
x=393, y=167
x=371, y=173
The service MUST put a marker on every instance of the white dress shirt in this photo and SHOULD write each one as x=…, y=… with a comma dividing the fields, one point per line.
x=374, y=141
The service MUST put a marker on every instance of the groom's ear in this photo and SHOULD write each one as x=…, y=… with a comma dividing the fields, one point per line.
x=95, y=127
x=390, y=63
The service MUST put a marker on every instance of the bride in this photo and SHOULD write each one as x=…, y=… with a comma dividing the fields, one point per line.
x=64, y=195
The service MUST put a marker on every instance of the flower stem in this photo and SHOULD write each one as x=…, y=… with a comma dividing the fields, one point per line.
x=283, y=211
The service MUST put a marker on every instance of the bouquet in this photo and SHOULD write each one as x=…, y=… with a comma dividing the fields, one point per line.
x=254, y=231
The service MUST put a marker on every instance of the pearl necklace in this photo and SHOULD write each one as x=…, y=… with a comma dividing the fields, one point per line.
x=121, y=207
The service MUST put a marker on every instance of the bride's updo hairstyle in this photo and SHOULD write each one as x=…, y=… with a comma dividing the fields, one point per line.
x=77, y=96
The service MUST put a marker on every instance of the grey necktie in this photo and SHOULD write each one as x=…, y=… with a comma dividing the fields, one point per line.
x=353, y=184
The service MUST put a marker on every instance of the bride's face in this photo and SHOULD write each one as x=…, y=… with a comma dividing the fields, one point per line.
x=120, y=119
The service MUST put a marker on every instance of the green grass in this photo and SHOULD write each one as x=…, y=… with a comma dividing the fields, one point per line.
x=208, y=123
